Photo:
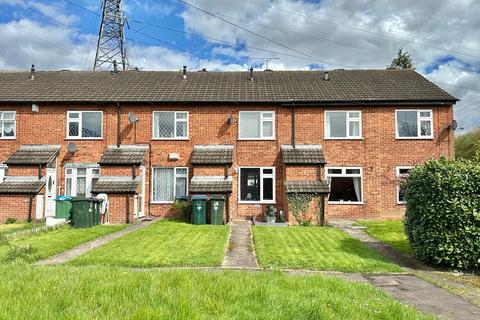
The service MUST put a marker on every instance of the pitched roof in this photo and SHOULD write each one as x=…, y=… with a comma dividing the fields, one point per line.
x=211, y=184
x=33, y=154
x=303, y=154
x=315, y=187
x=117, y=184
x=168, y=86
x=212, y=154
x=21, y=185
x=125, y=154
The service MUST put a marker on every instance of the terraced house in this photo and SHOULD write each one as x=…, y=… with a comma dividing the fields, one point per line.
x=145, y=138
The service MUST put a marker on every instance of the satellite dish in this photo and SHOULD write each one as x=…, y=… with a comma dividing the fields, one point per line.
x=132, y=117
x=454, y=125
x=72, y=147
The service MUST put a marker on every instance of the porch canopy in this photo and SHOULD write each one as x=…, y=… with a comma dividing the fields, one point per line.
x=33, y=154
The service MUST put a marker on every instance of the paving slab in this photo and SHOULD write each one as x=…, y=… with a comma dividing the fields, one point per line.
x=68, y=255
x=425, y=296
x=240, y=252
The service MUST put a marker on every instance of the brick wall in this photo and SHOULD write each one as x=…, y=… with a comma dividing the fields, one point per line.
x=16, y=206
x=378, y=153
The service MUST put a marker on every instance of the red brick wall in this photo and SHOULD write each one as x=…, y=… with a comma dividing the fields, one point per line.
x=16, y=206
x=378, y=153
x=118, y=208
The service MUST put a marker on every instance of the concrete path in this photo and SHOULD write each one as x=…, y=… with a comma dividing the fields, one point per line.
x=240, y=252
x=68, y=255
x=410, y=288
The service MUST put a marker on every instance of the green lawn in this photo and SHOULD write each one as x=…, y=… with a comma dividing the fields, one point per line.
x=56, y=241
x=98, y=292
x=390, y=232
x=13, y=227
x=316, y=248
x=164, y=243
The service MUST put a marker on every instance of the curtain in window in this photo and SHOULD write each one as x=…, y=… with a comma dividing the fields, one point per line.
x=336, y=124
x=181, y=187
x=357, y=185
x=164, y=125
x=163, y=184
x=407, y=123
x=250, y=125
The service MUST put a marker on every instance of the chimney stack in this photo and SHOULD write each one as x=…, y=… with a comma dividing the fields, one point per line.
x=115, y=66
x=326, y=77
x=184, y=72
x=32, y=72
x=251, y=73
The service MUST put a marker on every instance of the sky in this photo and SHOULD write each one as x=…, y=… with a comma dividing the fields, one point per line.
x=442, y=37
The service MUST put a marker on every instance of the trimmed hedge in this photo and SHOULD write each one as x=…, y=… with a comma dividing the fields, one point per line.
x=442, y=221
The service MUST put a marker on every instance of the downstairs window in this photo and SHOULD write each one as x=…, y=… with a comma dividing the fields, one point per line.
x=169, y=183
x=257, y=185
x=79, y=181
x=402, y=174
x=345, y=185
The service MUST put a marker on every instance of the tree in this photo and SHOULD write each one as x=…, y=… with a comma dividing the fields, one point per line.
x=467, y=146
x=403, y=60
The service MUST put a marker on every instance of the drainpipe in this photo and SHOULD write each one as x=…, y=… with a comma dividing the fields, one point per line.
x=293, y=124
x=128, y=208
x=30, y=205
x=119, y=118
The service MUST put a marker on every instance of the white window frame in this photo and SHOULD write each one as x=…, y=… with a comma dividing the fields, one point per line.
x=175, y=175
x=89, y=175
x=398, y=177
x=344, y=174
x=348, y=120
x=174, y=125
x=14, y=125
x=419, y=119
x=3, y=172
x=80, y=125
x=262, y=175
x=262, y=121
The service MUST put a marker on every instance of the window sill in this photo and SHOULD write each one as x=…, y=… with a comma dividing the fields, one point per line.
x=256, y=139
x=345, y=203
x=161, y=202
x=257, y=202
x=414, y=138
x=361, y=138
x=72, y=139
x=8, y=138
x=170, y=139
x=401, y=203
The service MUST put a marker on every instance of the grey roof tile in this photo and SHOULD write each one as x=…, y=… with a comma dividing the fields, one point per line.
x=315, y=187
x=303, y=154
x=108, y=184
x=123, y=155
x=33, y=154
x=211, y=184
x=166, y=86
x=21, y=185
x=212, y=154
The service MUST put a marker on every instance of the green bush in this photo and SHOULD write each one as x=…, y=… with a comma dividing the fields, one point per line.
x=442, y=221
x=183, y=209
x=11, y=221
x=25, y=253
x=299, y=203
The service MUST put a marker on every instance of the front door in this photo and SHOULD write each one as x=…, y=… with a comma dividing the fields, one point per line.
x=50, y=192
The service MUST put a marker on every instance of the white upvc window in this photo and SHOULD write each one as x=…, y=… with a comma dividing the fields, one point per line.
x=170, y=125
x=257, y=185
x=402, y=174
x=346, y=185
x=7, y=125
x=343, y=124
x=256, y=125
x=80, y=180
x=414, y=124
x=3, y=172
x=169, y=183
x=84, y=124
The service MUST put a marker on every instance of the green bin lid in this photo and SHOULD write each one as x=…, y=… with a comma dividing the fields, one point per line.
x=74, y=199
x=199, y=197
x=217, y=197
x=182, y=198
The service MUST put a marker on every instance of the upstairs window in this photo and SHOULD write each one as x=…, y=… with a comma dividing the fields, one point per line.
x=414, y=124
x=7, y=124
x=84, y=124
x=170, y=125
x=169, y=183
x=257, y=185
x=402, y=174
x=257, y=125
x=343, y=124
x=345, y=185
x=80, y=180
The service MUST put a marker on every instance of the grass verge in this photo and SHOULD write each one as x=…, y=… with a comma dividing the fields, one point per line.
x=316, y=248
x=14, y=227
x=164, y=243
x=49, y=243
x=390, y=232
x=99, y=292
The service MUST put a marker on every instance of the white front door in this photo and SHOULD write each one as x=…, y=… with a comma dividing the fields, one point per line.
x=141, y=196
x=50, y=192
